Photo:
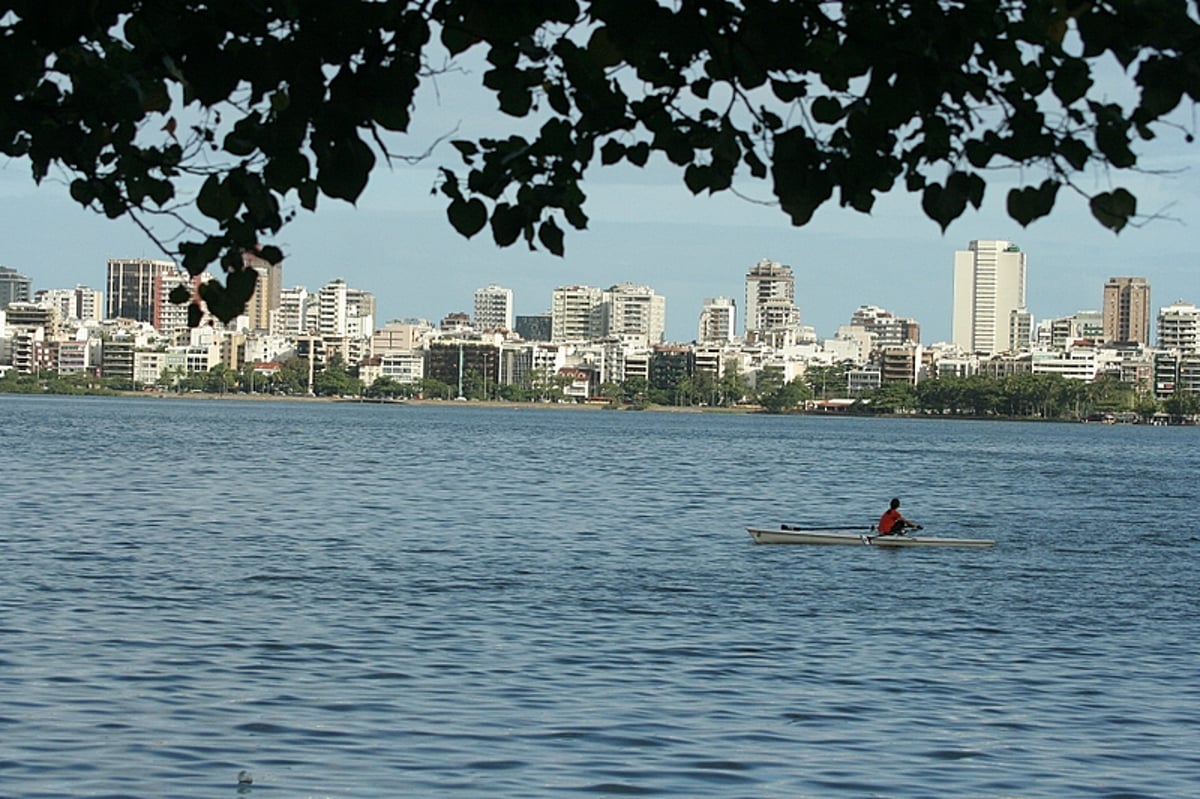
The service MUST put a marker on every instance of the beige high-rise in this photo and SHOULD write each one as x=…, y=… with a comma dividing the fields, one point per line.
x=1127, y=309
x=989, y=298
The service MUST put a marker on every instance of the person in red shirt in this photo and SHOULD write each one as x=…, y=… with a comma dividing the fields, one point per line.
x=892, y=522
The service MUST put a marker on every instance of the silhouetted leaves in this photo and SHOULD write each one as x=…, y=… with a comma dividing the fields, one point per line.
x=288, y=102
x=180, y=294
x=467, y=216
x=1114, y=209
x=1028, y=203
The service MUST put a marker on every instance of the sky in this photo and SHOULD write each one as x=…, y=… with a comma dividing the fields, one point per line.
x=646, y=227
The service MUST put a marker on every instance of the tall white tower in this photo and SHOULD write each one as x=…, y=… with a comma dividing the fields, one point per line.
x=493, y=308
x=989, y=297
x=635, y=312
x=718, y=320
x=1179, y=327
x=576, y=313
x=771, y=312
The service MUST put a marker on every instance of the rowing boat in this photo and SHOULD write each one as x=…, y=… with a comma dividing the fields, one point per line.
x=795, y=535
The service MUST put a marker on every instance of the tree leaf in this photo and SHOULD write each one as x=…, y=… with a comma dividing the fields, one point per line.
x=507, y=224
x=216, y=200
x=343, y=166
x=943, y=204
x=826, y=110
x=467, y=216
x=1071, y=80
x=551, y=237
x=1029, y=203
x=1114, y=209
x=697, y=177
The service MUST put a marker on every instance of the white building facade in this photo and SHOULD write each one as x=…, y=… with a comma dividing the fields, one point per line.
x=989, y=297
x=493, y=308
x=576, y=313
x=1179, y=327
x=771, y=312
x=635, y=313
x=718, y=321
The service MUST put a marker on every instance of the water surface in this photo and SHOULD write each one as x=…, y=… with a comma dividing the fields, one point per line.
x=354, y=600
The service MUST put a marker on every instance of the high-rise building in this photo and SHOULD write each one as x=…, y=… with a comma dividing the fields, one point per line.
x=493, y=309
x=989, y=313
x=344, y=311
x=14, y=287
x=1179, y=327
x=1127, y=310
x=166, y=316
x=888, y=329
x=718, y=320
x=576, y=313
x=290, y=319
x=771, y=312
x=80, y=303
x=635, y=312
x=135, y=287
x=268, y=291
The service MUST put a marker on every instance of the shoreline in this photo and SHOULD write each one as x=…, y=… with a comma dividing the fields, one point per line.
x=583, y=406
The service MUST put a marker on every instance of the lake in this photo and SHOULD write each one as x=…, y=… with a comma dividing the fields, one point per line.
x=354, y=600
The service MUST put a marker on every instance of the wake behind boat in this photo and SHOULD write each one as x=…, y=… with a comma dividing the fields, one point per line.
x=853, y=536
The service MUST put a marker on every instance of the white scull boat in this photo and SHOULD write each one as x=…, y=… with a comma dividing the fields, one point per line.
x=798, y=535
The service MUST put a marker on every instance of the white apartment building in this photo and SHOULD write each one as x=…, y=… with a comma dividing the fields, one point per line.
x=635, y=314
x=1066, y=330
x=989, y=297
x=887, y=329
x=81, y=302
x=151, y=366
x=1076, y=363
x=77, y=356
x=771, y=312
x=331, y=309
x=291, y=317
x=718, y=321
x=343, y=311
x=406, y=368
x=493, y=308
x=852, y=344
x=605, y=358
x=169, y=317
x=576, y=313
x=548, y=358
x=1179, y=327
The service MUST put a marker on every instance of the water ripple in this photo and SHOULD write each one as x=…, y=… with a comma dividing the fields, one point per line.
x=463, y=610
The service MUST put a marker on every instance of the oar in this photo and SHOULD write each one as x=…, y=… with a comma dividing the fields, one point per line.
x=806, y=527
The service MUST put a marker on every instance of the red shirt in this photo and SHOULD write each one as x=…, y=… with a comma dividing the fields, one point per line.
x=889, y=520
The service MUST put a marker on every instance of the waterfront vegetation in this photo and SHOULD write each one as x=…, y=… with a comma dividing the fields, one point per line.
x=822, y=389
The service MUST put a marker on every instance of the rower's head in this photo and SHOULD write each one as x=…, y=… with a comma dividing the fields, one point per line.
x=895, y=503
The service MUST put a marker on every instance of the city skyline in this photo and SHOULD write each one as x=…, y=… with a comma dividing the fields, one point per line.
x=468, y=308
x=700, y=249
x=826, y=298
x=646, y=227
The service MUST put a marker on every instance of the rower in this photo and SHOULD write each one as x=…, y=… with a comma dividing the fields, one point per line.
x=892, y=522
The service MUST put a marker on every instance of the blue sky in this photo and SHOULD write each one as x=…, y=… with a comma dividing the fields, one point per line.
x=646, y=227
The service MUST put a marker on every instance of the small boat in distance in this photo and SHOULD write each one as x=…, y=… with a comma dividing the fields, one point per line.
x=854, y=536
